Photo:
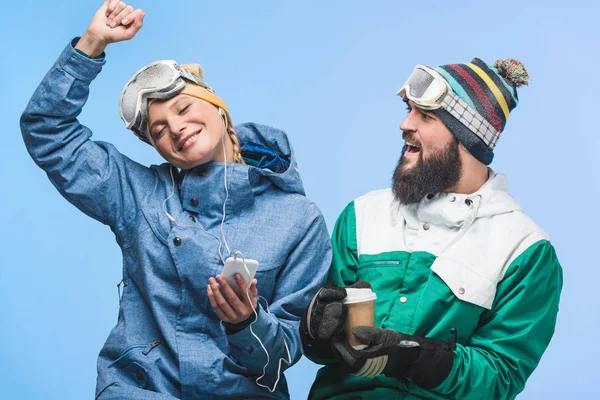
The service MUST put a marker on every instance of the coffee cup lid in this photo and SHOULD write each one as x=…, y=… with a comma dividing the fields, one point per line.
x=359, y=295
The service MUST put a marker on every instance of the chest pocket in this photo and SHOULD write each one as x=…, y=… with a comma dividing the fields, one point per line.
x=466, y=284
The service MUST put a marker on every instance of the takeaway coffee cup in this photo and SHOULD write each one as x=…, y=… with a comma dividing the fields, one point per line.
x=361, y=312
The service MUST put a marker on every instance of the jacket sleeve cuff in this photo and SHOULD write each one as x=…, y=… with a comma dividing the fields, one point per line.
x=231, y=329
x=244, y=339
x=79, y=65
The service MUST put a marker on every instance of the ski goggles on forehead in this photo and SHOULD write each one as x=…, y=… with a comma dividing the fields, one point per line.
x=429, y=91
x=425, y=87
x=160, y=80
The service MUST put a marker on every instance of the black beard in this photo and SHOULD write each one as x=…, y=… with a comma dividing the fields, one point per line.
x=440, y=172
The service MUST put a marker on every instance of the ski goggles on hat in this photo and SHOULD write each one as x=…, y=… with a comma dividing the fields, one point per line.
x=159, y=80
x=425, y=87
x=429, y=91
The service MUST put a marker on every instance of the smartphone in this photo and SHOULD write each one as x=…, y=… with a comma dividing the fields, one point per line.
x=236, y=266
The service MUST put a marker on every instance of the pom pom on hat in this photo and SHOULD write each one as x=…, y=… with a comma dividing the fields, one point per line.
x=513, y=71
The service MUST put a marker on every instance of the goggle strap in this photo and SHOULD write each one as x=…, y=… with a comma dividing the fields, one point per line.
x=141, y=136
x=193, y=78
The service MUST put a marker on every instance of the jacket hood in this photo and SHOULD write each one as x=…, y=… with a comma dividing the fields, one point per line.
x=494, y=198
x=287, y=176
x=456, y=210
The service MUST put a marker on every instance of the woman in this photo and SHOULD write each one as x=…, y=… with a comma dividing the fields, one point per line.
x=182, y=331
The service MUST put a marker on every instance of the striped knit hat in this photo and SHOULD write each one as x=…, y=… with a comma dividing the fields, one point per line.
x=491, y=90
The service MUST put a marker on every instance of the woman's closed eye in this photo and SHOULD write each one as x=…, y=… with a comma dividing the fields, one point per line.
x=158, y=133
x=183, y=110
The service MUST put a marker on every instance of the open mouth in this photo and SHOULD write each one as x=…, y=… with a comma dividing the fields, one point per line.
x=189, y=140
x=412, y=148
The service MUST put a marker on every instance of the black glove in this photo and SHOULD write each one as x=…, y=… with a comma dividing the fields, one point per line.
x=324, y=318
x=426, y=362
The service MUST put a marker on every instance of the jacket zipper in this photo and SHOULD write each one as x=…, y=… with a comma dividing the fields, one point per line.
x=149, y=348
x=370, y=264
x=128, y=350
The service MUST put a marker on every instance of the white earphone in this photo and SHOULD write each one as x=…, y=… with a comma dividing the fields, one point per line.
x=224, y=118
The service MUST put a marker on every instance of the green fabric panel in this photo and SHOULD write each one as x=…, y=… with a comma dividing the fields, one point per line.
x=334, y=383
x=344, y=246
x=513, y=335
x=431, y=309
x=504, y=343
x=394, y=275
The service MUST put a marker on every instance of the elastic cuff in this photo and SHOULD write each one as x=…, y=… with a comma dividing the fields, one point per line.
x=231, y=329
x=74, y=44
x=260, y=327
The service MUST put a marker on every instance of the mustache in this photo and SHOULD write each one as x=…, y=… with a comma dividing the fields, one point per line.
x=409, y=136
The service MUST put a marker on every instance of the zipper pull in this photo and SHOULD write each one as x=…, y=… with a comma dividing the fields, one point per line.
x=149, y=348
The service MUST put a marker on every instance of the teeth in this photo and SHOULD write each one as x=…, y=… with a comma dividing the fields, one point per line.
x=193, y=137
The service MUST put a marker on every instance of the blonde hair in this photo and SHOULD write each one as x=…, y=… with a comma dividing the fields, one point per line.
x=235, y=141
x=237, y=148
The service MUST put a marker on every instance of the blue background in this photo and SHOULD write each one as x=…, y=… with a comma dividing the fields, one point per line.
x=326, y=72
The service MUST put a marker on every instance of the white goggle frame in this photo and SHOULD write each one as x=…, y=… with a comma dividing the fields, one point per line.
x=159, y=80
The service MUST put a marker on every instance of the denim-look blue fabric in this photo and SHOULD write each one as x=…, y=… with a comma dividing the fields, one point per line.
x=168, y=339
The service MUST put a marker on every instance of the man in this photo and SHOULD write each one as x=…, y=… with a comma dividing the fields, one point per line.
x=467, y=285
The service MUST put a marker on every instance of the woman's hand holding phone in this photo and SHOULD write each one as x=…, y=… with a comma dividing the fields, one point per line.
x=228, y=305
